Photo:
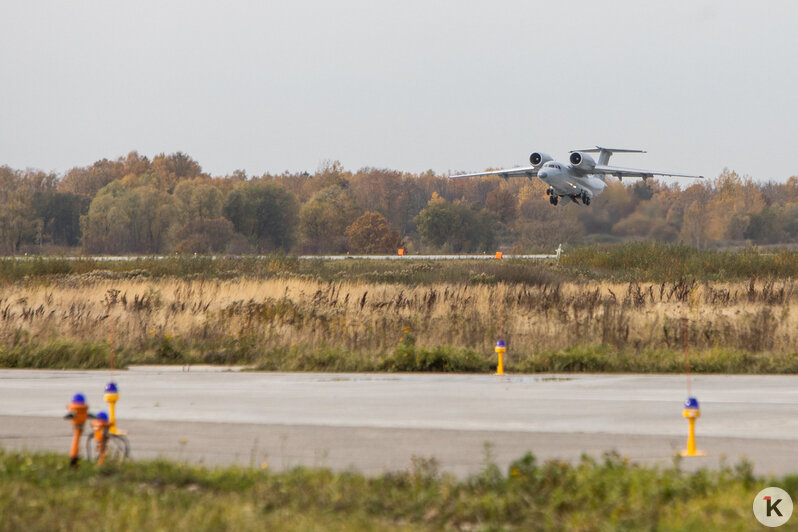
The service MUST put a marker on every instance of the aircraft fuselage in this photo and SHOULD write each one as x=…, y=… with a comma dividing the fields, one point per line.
x=564, y=182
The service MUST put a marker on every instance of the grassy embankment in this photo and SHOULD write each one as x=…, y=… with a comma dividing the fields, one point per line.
x=39, y=492
x=621, y=309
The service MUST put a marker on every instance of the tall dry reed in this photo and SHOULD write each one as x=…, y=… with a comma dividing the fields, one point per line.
x=247, y=317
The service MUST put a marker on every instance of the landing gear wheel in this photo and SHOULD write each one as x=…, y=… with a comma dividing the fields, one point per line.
x=553, y=199
x=585, y=198
x=549, y=191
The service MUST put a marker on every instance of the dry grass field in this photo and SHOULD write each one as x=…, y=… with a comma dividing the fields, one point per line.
x=301, y=323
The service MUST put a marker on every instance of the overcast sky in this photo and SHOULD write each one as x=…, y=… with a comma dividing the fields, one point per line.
x=413, y=85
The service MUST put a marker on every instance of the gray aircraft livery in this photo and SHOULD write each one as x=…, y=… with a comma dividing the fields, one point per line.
x=581, y=179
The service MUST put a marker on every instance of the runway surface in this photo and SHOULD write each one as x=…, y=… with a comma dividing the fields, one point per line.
x=375, y=423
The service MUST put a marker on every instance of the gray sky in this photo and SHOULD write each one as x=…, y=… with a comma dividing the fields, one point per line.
x=412, y=85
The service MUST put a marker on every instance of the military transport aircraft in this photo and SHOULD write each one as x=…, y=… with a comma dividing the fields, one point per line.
x=580, y=180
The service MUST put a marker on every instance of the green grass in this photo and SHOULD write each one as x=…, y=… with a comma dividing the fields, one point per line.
x=406, y=357
x=58, y=354
x=652, y=262
x=409, y=272
x=635, y=261
x=39, y=492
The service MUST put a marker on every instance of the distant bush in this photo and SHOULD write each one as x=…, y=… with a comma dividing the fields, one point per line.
x=409, y=358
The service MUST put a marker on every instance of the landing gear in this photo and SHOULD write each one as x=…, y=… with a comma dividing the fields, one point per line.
x=553, y=199
x=549, y=191
x=585, y=198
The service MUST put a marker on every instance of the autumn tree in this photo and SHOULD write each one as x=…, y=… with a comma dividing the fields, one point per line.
x=264, y=213
x=371, y=233
x=21, y=218
x=608, y=208
x=694, y=225
x=457, y=226
x=16, y=224
x=88, y=181
x=323, y=220
x=196, y=199
x=540, y=225
x=204, y=235
x=59, y=214
x=173, y=168
x=732, y=201
x=503, y=204
x=383, y=191
x=122, y=219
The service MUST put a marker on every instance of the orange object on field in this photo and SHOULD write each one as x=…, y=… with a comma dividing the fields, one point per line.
x=100, y=426
x=78, y=413
x=401, y=251
x=499, y=254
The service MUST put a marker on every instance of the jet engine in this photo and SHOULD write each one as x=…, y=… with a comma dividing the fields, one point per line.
x=582, y=161
x=537, y=159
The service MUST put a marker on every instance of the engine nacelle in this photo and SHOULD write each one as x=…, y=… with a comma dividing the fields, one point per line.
x=537, y=159
x=582, y=161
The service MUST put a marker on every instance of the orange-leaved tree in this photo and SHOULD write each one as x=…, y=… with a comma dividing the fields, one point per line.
x=371, y=233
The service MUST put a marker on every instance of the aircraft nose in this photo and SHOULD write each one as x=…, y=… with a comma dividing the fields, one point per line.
x=543, y=174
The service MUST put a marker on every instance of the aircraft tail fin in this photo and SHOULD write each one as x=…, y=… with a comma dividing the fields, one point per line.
x=604, y=153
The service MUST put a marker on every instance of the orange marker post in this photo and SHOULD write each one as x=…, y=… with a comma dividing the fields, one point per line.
x=499, y=255
x=100, y=426
x=402, y=251
x=78, y=413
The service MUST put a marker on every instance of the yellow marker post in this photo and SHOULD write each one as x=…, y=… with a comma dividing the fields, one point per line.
x=111, y=397
x=691, y=412
x=501, y=348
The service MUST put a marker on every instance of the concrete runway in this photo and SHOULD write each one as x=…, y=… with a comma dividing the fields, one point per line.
x=375, y=423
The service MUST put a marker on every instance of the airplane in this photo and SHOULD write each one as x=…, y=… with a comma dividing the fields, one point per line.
x=581, y=180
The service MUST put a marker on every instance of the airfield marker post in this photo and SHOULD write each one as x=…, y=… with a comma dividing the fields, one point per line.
x=501, y=349
x=691, y=412
x=101, y=427
x=111, y=397
x=78, y=413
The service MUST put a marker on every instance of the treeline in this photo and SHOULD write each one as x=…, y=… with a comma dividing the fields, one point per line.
x=169, y=205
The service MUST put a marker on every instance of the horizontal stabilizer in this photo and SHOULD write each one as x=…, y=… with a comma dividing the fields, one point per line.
x=598, y=149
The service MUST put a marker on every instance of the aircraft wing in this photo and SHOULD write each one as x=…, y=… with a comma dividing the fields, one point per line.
x=632, y=172
x=527, y=171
